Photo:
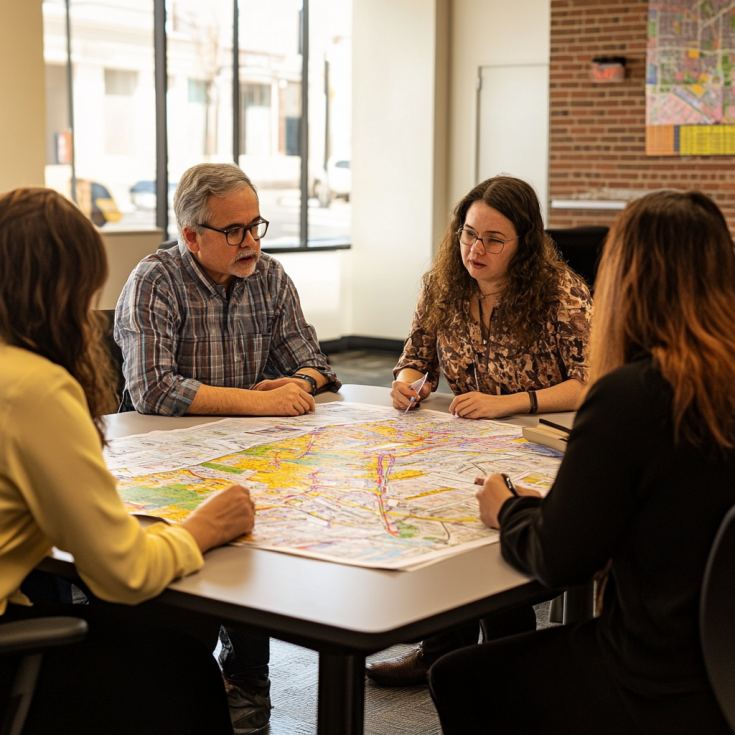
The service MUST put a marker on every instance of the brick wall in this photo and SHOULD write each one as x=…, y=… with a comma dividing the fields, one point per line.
x=598, y=136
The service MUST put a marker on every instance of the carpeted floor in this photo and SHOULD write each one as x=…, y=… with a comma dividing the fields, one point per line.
x=388, y=711
x=406, y=711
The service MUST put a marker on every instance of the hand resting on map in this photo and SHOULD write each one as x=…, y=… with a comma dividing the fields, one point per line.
x=221, y=518
x=476, y=405
x=493, y=493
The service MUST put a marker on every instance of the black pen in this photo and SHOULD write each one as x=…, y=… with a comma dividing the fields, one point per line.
x=510, y=484
x=555, y=426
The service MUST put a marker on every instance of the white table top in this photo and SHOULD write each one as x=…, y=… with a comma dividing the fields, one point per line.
x=307, y=599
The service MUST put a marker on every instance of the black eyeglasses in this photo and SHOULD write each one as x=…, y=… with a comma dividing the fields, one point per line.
x=236, y=235
x=494, y=245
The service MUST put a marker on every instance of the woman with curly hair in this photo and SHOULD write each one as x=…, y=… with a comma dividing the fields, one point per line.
x=500, y=315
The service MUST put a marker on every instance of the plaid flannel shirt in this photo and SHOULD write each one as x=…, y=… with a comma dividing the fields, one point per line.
x=178, y=329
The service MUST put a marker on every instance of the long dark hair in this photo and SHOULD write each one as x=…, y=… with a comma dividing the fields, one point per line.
x=54, y=264
x=534, y=273
x=666, y=284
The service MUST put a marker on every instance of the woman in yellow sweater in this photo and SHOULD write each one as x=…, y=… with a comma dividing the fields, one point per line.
x=55, y=385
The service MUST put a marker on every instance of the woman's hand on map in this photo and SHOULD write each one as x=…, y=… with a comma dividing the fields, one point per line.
x=288, y=400
x=476, y=405
x=402, y=393
x=493, y=493
x=221, y=518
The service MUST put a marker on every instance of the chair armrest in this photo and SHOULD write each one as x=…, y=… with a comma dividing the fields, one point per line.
x=26, y=636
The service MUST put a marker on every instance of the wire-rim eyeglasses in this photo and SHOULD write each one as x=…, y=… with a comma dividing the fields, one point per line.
x=469, y=239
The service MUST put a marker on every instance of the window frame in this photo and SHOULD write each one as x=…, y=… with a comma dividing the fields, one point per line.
x=161, y=115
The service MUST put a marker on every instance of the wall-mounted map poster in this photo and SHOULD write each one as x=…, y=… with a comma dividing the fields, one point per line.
x=690, y=97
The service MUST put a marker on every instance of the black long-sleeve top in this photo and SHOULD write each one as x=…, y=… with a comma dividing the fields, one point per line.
x=626, y=492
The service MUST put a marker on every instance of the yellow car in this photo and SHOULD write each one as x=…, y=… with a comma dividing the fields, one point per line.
x=97, y=202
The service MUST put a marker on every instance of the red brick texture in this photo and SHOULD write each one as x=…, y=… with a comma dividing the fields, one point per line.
x=598, y=135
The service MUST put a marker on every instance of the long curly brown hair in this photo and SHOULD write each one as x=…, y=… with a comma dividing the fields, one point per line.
x=534, y=273
x=54, y=265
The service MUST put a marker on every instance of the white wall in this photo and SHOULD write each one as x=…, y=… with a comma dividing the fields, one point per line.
x=125, y=249
x=396, y=152
x=23, y=95
x=322, y=280
x=487, y=33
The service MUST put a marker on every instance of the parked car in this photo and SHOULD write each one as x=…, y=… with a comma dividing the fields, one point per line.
x=339, y=177
x=335, y=181
x=143, y=194
x=97, y=203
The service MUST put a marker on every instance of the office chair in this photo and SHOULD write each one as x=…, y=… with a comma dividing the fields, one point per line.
x=27, y=640
x=581, y=247
x=716, y=615
x=113, y=348
x=168, y=244
x=117, y=360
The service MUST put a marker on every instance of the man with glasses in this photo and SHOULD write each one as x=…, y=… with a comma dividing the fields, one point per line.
x=214, y=326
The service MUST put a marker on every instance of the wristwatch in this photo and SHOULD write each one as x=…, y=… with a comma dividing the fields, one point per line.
x=309, y=380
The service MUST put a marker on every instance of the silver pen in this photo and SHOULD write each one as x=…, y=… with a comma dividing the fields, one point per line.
x=417, y=385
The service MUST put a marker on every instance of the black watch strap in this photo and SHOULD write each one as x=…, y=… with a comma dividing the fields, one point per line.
x=309, y=380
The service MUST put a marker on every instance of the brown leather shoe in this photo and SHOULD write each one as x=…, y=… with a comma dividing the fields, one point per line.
x=406, y=670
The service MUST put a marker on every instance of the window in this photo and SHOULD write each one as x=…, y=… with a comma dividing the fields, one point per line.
x=113, y=110
x=264, y=84
x=199, y=96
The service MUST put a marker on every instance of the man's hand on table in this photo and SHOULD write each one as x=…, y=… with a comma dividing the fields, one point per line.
x=221, y=518
x=287, y=400
x=280, y=382
x=493, y=493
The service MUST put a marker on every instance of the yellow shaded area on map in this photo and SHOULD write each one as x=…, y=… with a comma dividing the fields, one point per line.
x=707, y=140
x=431, y=492
x=406, y=474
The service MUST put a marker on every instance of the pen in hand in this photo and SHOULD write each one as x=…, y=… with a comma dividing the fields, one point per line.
x=417, y=385
x=508, y=482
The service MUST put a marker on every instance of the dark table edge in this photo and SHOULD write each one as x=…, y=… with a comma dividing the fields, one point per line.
x=327, y=638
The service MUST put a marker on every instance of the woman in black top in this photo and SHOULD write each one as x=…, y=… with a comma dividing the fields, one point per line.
x=648, y=476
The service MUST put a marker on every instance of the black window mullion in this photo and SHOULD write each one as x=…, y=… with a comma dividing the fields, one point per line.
x=304, y=127
x=161, y=79
x=70, y=96
x=236, y=123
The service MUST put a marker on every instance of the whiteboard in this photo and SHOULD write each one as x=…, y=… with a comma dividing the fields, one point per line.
x=513, y=125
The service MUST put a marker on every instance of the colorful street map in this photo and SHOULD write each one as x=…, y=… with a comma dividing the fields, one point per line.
x=350, y=483
x=690, y=98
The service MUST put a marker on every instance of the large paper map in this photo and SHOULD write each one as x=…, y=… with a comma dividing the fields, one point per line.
x=690, y=98
x=350, y=483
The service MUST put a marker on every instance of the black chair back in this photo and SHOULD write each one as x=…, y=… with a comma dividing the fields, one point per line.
x=717, y=617
x=113, y=348
x=581, y=247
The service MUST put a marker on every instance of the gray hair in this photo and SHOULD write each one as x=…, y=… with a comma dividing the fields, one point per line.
x=199, y=183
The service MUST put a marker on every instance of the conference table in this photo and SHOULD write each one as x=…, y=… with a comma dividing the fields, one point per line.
x=343, y=612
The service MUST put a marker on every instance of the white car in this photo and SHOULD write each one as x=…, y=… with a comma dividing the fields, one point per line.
x=339, y=177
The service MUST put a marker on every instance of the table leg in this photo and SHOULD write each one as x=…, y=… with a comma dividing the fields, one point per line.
x=341, y=694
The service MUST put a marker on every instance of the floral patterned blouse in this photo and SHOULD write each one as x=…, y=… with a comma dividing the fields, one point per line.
x=501, y=366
